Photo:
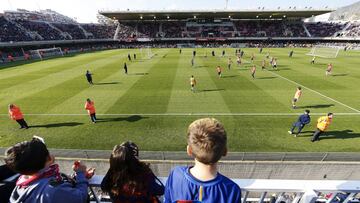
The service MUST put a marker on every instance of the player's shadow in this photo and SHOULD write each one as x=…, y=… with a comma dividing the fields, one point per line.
x=106, y=83
x=211, y=90
x=201, y=66
x=138, y=74
x=229, y=76
x=131, y=119
x=344, y=134
x=316, y=106
x=57, y=125
x=306, y=133
x=341, y=74
x=266, y=78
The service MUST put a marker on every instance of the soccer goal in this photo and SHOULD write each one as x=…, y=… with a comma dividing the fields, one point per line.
x=325, y=51
x=46, y=53
x=146, y=52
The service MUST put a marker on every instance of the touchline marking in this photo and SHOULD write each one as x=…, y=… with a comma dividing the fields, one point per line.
x=334, y=100
x=194, y=114
x=316, y=92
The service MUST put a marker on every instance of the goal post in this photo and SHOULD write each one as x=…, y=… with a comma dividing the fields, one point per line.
x=325, y=51
x=146, y=52
x=46, y=53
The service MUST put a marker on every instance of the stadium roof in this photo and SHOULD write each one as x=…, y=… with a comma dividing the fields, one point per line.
x=235, y=14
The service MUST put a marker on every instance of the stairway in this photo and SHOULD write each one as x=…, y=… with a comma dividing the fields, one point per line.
x=64, y=34
x=88, y=35
x=306, y=30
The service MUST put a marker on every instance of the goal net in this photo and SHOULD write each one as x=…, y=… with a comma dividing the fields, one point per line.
x=325, y=51
x=146, y=52
x=46, y=53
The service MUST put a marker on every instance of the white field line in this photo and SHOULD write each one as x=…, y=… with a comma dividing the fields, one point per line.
x=195, y=114
x=329, y=98
x=316, y=92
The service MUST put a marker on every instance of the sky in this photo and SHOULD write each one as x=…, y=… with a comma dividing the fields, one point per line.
x=85, y=11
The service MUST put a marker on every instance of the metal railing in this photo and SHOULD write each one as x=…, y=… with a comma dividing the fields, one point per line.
x=266, y=190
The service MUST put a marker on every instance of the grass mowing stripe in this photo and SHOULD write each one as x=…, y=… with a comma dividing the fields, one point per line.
x=329, y=98
x=250, y=126
x=150, y=93
x=45, y=67
x=314, y=91
x=242, y=92
x=23, y=90
x=114, y=83
x=183, y=100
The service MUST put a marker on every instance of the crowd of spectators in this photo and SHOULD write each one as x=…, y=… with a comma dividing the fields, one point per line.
x=246, y=28
x=128, y=179
x=23, y=30
x=42, y=28
x=322, y=29
x=295, y=30
x=72, y=29
x=100, y=31
x=10, y=32
x=353, y=30
x=173, y=29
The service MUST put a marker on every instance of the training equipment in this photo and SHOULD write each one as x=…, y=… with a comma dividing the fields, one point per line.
x=46, y=53
x=325, y=51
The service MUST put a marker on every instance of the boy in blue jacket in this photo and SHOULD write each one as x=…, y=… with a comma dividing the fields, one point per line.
x=40, y=179
x=202, y=182
x=300, y=123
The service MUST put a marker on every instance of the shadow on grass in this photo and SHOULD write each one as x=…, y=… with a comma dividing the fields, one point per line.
x=229, y=76
x=340, y=74
x=201, y=66
x=211, y=90
x=106, y=83
x=277, y=69
x=266, y=78
x=131, y=119
x=316, y=106
x=57, y=125
x=344, y=134
x=138, y=74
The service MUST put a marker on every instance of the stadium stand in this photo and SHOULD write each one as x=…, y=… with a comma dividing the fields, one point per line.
x=100, y=31
x=10, y=32
x=322, y=29
x=43, y=29
x=353, y=30
x=20, y=29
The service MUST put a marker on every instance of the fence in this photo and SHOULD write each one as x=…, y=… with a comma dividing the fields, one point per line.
x=266, y=190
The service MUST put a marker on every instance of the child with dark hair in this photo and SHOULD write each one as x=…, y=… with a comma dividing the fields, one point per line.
x=207, y=143
x=130, y=180
x=40, y=179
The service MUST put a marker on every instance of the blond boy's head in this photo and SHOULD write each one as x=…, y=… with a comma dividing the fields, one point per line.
x=207, y=140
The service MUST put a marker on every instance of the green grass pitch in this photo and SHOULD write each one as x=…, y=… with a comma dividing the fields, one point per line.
x=153, y=105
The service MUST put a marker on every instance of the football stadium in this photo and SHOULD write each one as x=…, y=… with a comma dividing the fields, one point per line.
x=191, y=105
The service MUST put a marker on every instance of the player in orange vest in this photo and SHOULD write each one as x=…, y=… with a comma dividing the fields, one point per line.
x=16, y=115
x=323, y=124
x=90, y=107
